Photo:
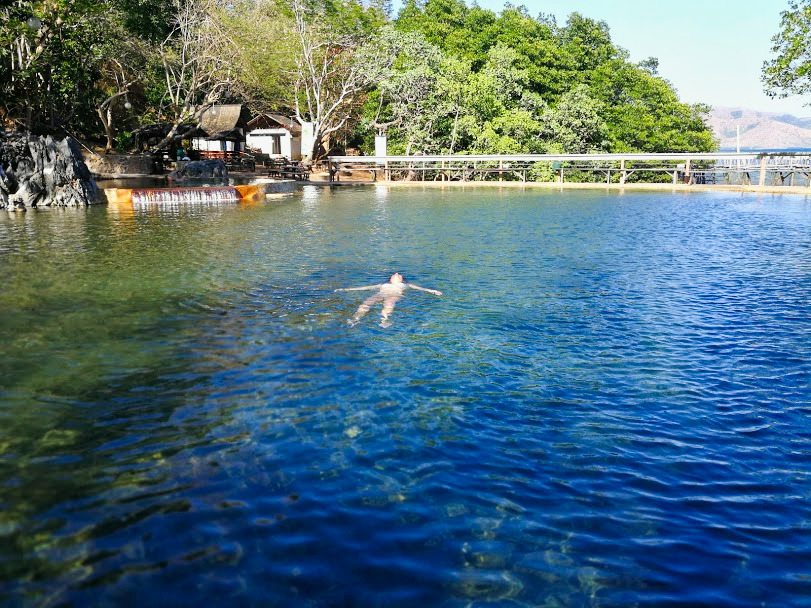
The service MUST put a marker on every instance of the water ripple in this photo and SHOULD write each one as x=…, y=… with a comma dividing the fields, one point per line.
x=608, y=406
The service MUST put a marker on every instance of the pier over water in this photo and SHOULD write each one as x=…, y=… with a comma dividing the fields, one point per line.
x=751, y=169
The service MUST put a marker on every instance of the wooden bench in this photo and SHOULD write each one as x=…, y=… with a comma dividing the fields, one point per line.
x=286, y=169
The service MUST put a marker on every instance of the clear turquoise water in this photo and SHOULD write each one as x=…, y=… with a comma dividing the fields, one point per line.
x=609, y=405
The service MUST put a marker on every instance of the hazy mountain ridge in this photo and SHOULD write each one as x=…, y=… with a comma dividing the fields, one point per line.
x=759, y=130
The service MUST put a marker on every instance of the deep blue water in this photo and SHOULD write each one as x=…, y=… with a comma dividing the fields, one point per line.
x=609, y=405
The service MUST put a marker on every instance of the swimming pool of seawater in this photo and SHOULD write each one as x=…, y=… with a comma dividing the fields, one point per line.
x=609, y=404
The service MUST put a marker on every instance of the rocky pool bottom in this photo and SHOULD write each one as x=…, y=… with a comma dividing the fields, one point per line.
x=608, y=406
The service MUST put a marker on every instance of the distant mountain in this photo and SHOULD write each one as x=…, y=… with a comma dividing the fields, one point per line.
x=759, y=130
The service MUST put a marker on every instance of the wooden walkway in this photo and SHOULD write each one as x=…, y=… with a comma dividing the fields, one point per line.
x=723, y=168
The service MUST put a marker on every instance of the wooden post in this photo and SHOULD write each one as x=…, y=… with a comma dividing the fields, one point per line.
x=762, y=179
x=687, y=178
x=500, y=170
x=623, y=176
x=387, y=172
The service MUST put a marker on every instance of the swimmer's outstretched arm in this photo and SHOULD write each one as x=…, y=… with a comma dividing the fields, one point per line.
x=359, y=288
x=436, y=292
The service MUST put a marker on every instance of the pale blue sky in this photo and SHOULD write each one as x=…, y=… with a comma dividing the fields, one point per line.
x=711, y=50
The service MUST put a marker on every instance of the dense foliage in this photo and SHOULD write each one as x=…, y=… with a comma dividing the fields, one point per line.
x=511, y=83
x=439, y=77
x=789, y=73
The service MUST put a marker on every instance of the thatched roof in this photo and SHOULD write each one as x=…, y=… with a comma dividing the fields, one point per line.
x=221, y=122
x=158, y=131
x=275, y=121
x=224, y=121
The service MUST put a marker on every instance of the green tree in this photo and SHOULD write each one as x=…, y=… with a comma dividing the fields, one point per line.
x=264, y=53
x=409, y=99
x=148, y=20
x=588, y=42
x=644, y=114
x=335, y=65
x=46, y=67
x=575, y=125
x=441, y=22
x=789, y=73
x=121, y=63
x=196, y=61
x=492, y=122
x=535, y=86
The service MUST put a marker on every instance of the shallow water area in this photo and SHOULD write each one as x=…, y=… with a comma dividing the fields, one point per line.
x=608, y=405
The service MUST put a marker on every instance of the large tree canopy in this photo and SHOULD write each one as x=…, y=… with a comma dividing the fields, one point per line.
x=441, y=77
x=44, y=74
x=532, y=86
x=789, y=73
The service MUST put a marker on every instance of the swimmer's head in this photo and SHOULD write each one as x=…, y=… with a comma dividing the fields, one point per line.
x=396, y=278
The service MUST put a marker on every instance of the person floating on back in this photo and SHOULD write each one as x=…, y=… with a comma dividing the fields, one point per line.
x=388, y=293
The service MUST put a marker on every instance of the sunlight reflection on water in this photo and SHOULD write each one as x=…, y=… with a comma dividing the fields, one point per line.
x=608, y=405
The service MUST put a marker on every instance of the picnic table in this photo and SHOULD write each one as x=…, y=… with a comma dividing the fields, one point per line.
x=286, y=169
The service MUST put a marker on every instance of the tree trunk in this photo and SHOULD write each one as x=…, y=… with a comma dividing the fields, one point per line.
x=106, y=116
x=453, y=135
x=170, y=138
x=105, y=112
x=315, y=152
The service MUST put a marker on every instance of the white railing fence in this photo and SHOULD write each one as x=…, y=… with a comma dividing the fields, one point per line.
x=776, y=168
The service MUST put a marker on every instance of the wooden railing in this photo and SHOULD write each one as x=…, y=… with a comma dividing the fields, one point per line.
x=784, y=168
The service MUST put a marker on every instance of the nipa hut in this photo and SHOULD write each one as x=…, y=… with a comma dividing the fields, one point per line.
x=222, y=131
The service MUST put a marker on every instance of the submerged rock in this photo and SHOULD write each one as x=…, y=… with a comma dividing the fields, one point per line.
x=40, y=171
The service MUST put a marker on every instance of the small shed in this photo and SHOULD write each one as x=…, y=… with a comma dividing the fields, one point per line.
x=275, y=135
x=222, y=129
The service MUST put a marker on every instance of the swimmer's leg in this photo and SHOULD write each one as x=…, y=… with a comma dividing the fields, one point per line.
x=364, y=308
x=388, y=308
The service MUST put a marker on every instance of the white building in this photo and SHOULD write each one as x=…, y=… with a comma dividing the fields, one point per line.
x=275, y=135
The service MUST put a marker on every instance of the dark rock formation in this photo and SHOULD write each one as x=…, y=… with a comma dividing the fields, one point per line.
x=37, y=170
x=201, y=168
